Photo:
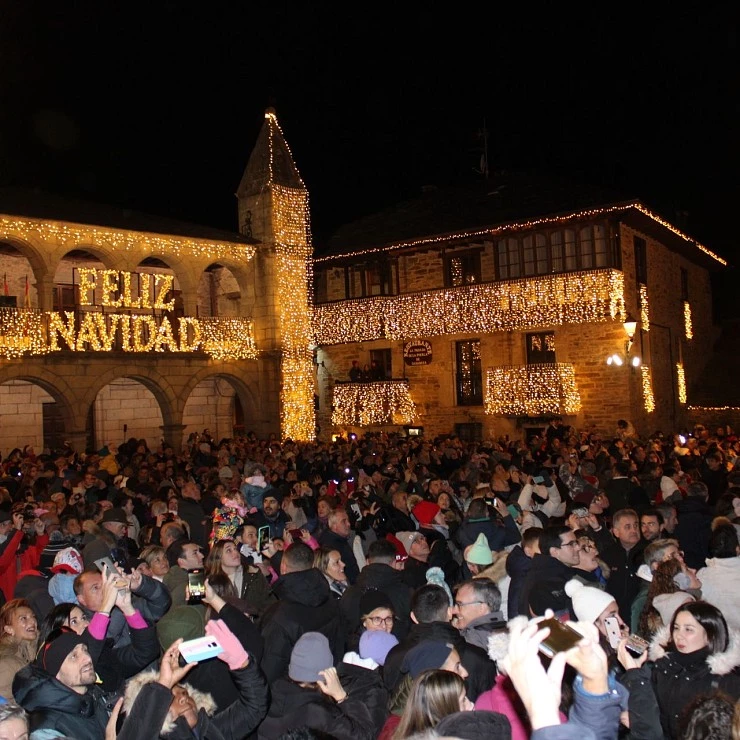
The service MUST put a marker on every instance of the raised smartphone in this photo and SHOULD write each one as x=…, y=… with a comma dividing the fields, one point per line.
x=561, y=637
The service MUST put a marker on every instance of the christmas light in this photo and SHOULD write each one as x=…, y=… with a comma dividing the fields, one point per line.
x=367, y=404
x=228, y=338
x=532, y=390
x=681, y=378
x=552, y=300
x=82, y=236
x=531, y=224
x=21, y=333
x=647, y=390
x=687, y=323
x=644, y=308
x=713, y=408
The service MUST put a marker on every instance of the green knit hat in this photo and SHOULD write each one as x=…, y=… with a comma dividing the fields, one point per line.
x=479, y=552
x=182, y=621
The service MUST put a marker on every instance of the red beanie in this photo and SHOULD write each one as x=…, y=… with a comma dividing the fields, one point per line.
x=425, y=511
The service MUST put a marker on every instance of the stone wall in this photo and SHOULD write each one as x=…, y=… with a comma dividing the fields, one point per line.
x=210, y=406
x=22, y=414
x=15, y=268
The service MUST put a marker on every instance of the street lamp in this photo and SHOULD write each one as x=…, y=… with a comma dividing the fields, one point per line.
x=630, y=327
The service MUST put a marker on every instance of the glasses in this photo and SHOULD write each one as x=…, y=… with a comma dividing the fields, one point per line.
x=589, y=548
x=460, y=604
x=381, y=621
x=572, y=543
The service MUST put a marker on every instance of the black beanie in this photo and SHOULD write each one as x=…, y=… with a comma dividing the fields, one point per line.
x=53, y=653
x=478, y=725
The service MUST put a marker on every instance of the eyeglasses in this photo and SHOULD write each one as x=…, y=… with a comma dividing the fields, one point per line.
x=460, y=604
x=590, y=548
x=572, y=543
x=379, y=621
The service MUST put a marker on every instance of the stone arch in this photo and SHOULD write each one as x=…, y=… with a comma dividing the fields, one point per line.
x=106, y=255
x=36, y=258
x=234, y=275
x=24, y=406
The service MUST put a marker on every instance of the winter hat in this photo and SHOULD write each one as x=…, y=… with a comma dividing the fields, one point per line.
x=436, y=577
x=54, y=652
x=373, y=599
x=115, y=515
x=425, y=511
x=667, y=604
x=588, y=602
x=586, y=496
x=275, y=493
x=5, y=516
x=478, y=725
x=479, y=552
x=181, y=621
x=427, y=655
x=68, y=560
x=407, y=539
x=225, y=473
x=376, y=644
x=310, y=655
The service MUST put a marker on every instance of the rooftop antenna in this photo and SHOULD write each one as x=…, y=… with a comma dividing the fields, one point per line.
x=482, y=168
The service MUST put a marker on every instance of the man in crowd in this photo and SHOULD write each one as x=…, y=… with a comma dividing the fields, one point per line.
x=339, y=537
x=476, y=611
x=183, y=555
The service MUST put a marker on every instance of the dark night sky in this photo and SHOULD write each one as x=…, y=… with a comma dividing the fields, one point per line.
x=156, y=106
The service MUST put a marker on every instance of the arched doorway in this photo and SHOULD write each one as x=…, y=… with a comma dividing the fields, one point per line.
x=220, y=404
x=31, y=416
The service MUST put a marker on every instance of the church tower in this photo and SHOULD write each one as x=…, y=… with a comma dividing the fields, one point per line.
x=273, y=209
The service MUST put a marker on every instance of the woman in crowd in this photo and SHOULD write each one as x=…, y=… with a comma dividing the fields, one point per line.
x=376, y=611
x=155, y=564
x=329, y=562
x=434, y=695
x=64, y=615
x=17, y=642
x=695, y=656
x=663, y=598
x=247, y=581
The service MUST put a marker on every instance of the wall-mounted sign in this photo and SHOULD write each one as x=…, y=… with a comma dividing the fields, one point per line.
x=418, y=352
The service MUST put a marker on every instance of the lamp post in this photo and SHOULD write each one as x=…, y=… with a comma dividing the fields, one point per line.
x=630, y=327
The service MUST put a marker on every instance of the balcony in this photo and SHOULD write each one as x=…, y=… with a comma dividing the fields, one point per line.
x=532, y=390
x=21, y=332
x=504, y=305
x=373, y=403
x=228, y=338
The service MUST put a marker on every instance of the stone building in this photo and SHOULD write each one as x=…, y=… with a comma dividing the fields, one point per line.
x=115, y=324
x=493, y=307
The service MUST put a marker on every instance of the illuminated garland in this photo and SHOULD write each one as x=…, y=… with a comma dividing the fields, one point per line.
x=713, y=408
x=228, y=338
x=365, y=404
x=532, y=224
x=21, y=332
x=681, y=378
x=687, y=322
x=644, y=308
x=647, y=390
x=79, y=236
x=572, y=298
x=532, y=390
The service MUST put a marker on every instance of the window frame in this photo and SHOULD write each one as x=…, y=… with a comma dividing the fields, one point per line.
x=475, y=375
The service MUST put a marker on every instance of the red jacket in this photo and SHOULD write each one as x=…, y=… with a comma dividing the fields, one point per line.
x=9, y=565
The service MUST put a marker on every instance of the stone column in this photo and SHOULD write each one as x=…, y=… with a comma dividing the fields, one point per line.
x=172, y=434
x=77, y=440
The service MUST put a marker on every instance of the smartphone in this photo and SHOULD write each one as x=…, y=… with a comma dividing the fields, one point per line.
x=295, y=534
x=196, y=588
x=561, y=637
x=263, y=537
x=356, y=510
x=105, y=564
x=636, y=645
x=538, y=479
x=201, y=648
x=613, y=631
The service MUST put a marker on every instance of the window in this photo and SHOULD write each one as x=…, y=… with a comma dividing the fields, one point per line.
x=64, y=297
x=381, y=359
x=541, y=348
x=640, y=260
x=563, y=250
x=535, y=254
x=374, y=278
x=462, y=269
x=593, y=247
x=507, y=257
x=469, y=376
x=684, y=284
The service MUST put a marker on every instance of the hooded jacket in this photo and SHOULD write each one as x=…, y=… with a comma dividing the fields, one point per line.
x=544, y=587
x=720, y=585
x=147, y=705
x=305, y=605
x=52, y=705
x=661, y=689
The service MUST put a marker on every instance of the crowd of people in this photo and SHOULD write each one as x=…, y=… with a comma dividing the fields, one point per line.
x=571, y=584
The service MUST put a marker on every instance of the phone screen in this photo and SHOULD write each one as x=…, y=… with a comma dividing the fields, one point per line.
x=538, y=479
x=561, y=637
x=196, y=585
x=263, y=537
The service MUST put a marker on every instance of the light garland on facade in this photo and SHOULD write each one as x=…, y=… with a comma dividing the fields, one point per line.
x=532, y=224
x=644, y=308
x=681, y=379
x=367, y=404
x=553, y=300
x=228, y=338
x=688, y=324
x=647, y=390
x=21, y=332
x=713, y=408
x=80, y=236
x=532, y=390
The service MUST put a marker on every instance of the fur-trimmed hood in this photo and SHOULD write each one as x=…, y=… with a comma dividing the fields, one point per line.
x=720, y=664
x=498, y=643
x=136, y=684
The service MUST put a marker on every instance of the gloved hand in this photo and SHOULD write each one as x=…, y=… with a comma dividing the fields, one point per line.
x=234, y=653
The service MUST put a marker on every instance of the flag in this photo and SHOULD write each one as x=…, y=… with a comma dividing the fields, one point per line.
x=26, y=295
x=6, y=291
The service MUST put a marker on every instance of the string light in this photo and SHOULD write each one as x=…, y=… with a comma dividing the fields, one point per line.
x=681, y=378
x=532, y=390
x=379, y=402
x=552, y=300
x=644, y=308
x=21, y=332
x=81, y=236
x=647, y=390
x=687, y=322
x=228, y=338
x=713, y=408
x=531, y=224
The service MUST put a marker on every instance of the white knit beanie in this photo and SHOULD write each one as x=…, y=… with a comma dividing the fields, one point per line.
x=588, y=602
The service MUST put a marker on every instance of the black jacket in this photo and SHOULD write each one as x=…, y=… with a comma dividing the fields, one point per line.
x=481, y=669
x=51, y=705
x=193, y=514
x=305, y=605
x=366, y=685
x=544, y=587
x=387, y=580
x=694, y=530
x=517, y=567
x=623, y=583
x=293, y=706
x=341, y=544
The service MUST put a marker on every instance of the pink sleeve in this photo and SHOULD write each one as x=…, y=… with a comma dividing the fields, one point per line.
x=273, y=575
x=312, y=543
x=136, y=621
x=98, y=625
